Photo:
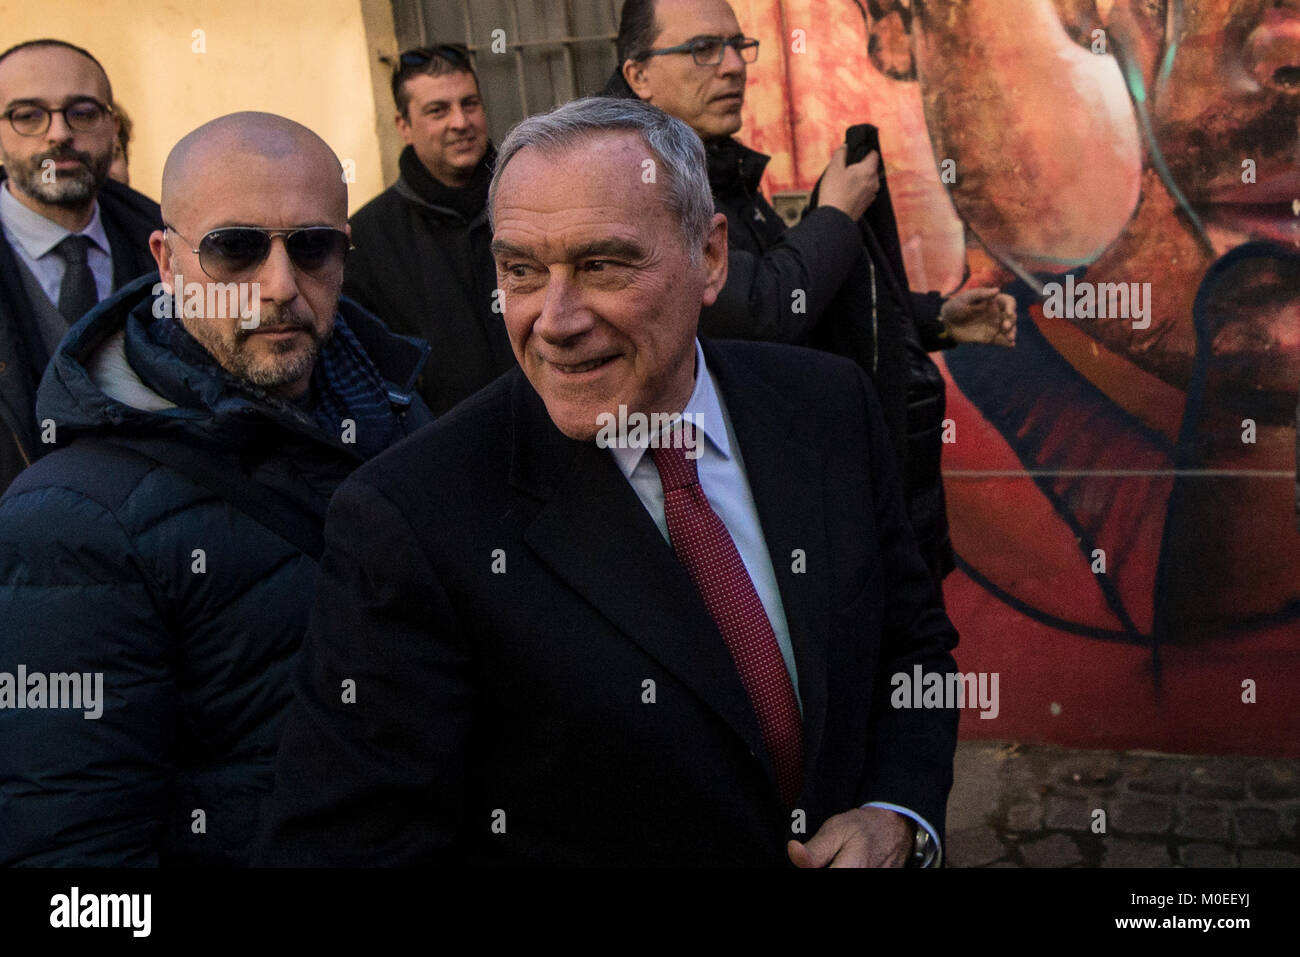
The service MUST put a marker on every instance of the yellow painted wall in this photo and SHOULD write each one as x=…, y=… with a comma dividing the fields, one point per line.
x=314, y=61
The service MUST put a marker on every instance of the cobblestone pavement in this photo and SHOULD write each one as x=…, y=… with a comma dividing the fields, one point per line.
x=1015, y=805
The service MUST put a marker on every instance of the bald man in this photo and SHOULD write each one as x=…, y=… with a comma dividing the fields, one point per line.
x=68, y=235
x=157, y=569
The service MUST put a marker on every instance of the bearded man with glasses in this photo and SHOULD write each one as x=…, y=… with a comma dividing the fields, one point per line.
x=69, y=235
x=164, y=556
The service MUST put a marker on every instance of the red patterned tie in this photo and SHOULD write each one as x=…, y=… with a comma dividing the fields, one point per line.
x=705, y=547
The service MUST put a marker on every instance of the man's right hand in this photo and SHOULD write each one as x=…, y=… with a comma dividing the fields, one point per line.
x=850, y=189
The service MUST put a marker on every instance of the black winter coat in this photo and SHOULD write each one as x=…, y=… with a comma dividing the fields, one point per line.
x=426, y=270
x=129, y=217
x=192, y=611
x=516, y=699
x=858, y=305
x=811, y=285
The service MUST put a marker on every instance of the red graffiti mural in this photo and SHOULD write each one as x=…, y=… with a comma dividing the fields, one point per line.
x=1121, y=485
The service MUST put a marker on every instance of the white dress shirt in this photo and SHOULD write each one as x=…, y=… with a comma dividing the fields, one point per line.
x=34, y=238
x=722, y=476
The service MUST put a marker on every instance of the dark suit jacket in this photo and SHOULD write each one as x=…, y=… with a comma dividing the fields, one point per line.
x=129, y=217
x=518, y=696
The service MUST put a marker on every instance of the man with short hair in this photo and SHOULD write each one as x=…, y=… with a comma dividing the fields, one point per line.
x=574, y=643
x=422, y=262
x=68, y=235
x=842, y=262
x=167, y=549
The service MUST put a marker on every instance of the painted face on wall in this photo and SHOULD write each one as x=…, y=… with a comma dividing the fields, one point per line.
x=1226, y=112
x=1045, y=119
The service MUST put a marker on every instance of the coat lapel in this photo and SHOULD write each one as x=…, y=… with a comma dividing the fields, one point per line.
x=17, y=384
x=783, y=473
x=594, y=533
x=127, y=261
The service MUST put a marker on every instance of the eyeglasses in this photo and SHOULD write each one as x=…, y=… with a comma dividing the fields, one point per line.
x=457, y=53
x=84, y=115
x=709, y=51
x=232, y=251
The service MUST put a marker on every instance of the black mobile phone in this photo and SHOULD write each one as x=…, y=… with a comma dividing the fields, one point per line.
x=861, y=139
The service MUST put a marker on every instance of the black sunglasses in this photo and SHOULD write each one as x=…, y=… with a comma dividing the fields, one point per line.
x=457, y=53
x=231, y=251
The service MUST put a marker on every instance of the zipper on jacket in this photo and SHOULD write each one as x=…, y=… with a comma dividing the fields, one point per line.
x=18, y=444
x=875, y=332
x=750, y=199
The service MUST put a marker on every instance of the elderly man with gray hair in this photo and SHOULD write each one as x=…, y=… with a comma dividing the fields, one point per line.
x=640, y=601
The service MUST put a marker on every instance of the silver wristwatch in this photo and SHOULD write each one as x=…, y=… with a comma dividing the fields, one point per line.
x=925, y=852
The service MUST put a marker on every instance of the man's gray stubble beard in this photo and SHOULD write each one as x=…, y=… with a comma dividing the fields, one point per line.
x=68, y=189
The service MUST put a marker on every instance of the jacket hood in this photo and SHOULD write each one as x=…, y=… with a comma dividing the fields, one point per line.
x=108, y=374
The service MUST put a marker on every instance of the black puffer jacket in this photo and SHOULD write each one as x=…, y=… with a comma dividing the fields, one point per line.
x=190, y=609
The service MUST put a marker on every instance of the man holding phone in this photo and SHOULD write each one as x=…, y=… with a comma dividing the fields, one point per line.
x=689, y=58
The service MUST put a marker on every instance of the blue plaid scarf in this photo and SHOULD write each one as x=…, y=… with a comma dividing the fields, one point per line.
x=348, y=386
x=345, y=385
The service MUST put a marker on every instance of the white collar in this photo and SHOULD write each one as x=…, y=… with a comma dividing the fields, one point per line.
x=702, y=408
x=39, y=235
